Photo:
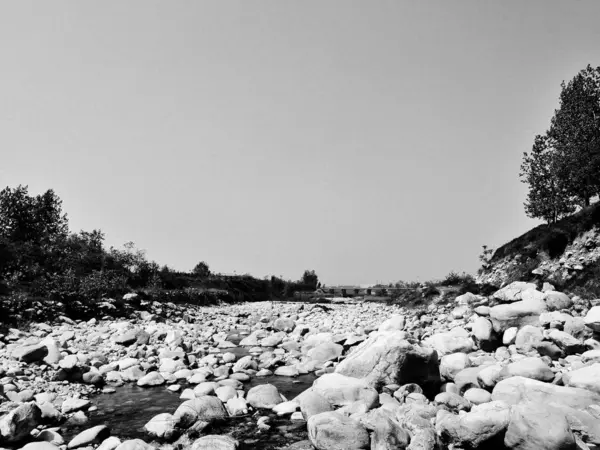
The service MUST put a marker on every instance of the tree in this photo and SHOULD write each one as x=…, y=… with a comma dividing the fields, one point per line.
x=201, y=270
x=547, y=198
x=310, y=279
x=575, y=135
x=31, y=229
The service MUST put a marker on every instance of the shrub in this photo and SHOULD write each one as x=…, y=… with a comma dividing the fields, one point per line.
x=455, y=279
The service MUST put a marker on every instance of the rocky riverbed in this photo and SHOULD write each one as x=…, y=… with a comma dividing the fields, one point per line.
x=517, y=370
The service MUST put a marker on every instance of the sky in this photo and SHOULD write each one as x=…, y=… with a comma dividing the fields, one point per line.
x=369, y=141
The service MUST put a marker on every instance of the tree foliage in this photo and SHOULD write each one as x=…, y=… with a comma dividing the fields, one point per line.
x=310, y=279
x=563, y=167
x=201, y=270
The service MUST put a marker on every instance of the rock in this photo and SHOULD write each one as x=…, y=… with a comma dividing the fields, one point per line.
x=18, y=423
x=394, y=323
x=110, y=443
x=237, y=406
x=385, y=358
x=284, y=324
x=287, y=371
x=312, y=403
x=135, y=444
x=454, y=341
x=477, y=396
x=333, y=431
x=567, y=343
x=517, y=314
x=469, y=299
x=30, y=353
x=151, y=379
x=538, y=426
x=205, y=408
x=264, y=396
x=340, y=390
x=74, y=404
x=528, y=338
x=225, y=393
x=40, y=446
x=94, y=435
x=584, y=378
x=162, y=426
x=531, y=367
x=480, y=428
x=452, y=402
x=50, y=436
x=555, y=301
x=592, y=319
x=215, y=442
x=513, y=292
x=510, y=335
x=519, y=389
x=484, y=334
x=327, y=351
x=451, y=364
x=69, y=362
x=284, y=408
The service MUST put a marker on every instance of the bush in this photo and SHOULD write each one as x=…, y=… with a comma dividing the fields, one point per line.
x=455, y=279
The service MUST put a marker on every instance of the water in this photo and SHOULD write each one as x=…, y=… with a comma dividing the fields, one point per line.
x=128, y=409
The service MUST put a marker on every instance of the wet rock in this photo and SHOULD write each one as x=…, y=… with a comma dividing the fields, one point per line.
x=74, y=404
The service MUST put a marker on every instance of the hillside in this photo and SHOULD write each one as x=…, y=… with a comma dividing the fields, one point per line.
x=566, y=254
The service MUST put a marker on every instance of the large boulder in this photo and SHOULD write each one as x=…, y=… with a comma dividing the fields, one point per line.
x=340, y=390
x=327, y=351
x=162, y=426
x=18, y=423
x=312, y=403
x=519, y=389
x=584, y=378
x=475, y=429
x=483, y=333
x=555, y=301
x=394, y=323
x=385, y=358
x=264, y=396
x=30, y=353
x=453, y=341
x=513, y=292
x=333, y=431
x=592, y=319
x=531, y=367
x=517, y=314
x=206, y=408
x=538, y=426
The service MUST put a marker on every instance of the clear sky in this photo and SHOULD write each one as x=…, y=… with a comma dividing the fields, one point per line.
x=367, y=140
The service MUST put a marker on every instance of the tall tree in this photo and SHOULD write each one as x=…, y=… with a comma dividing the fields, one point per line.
x=310, y=279
x=547, y=198
x=575, y=135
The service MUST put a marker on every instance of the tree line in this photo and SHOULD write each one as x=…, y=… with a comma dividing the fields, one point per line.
x=562, y=170
x=41, y=258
